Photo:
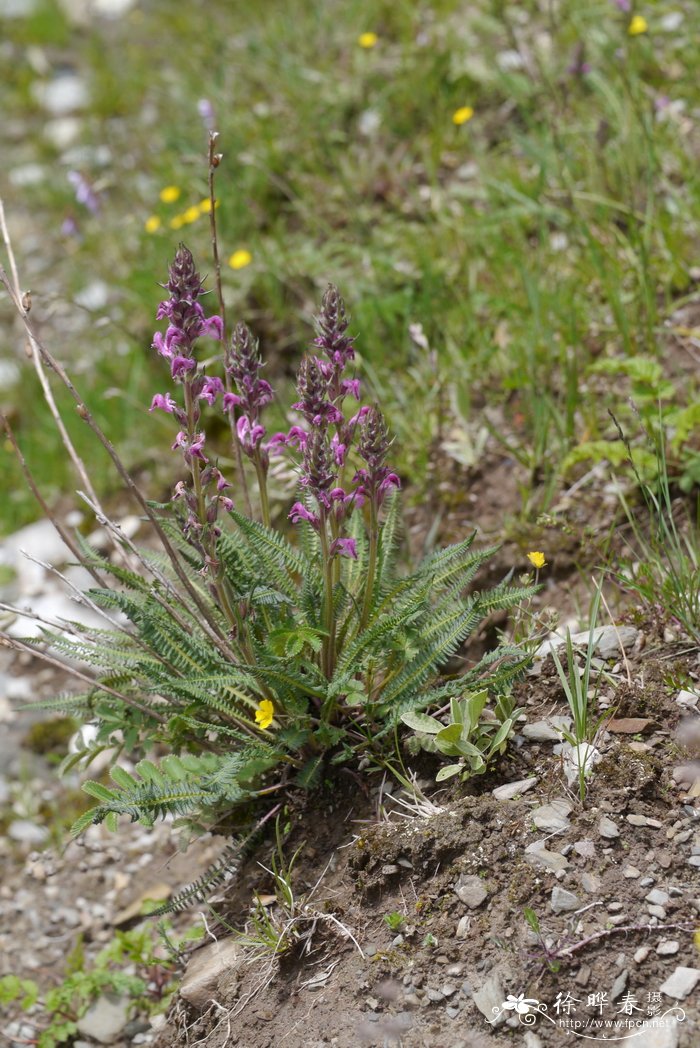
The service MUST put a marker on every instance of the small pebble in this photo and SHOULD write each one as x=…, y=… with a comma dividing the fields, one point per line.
x=607, y=828
x=646, y=882
x=667, y=947
x=641, y=954
x=631, y=873
x=637, y=820
x=657, y=897
x=657, y=911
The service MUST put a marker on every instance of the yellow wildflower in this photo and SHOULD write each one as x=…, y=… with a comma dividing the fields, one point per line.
x=637, y=26
x=462, y=115
x=367, y=40
x=176, y=222
x=169, y=194
x=240, y=259
x=536, y=559
x=264, y=714
x=205, y=206
x=191, y=214
x=152, y=224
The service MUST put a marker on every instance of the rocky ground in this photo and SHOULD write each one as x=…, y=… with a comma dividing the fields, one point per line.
x=409, y=926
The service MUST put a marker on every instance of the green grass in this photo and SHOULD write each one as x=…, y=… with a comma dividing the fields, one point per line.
x=550, y=234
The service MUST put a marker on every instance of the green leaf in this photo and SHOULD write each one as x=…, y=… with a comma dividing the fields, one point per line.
x=421, y=722
x=448, y=771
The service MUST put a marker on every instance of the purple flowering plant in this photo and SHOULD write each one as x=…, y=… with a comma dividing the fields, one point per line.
x=268, y=641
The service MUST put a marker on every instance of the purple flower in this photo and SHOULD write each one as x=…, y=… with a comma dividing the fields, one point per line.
x=623, y=5
x=84, y=193
x=192, y=448
x=300, y=512
x=249, y=433
x=179, y=366
x=344, y=548
x=206, y=112
x=352, y=386
x=165, y=403
x=211, y=389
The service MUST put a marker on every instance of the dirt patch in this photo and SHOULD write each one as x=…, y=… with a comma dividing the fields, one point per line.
x=616, y=917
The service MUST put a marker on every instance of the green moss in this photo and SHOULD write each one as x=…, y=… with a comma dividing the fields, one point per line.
x=50, y=737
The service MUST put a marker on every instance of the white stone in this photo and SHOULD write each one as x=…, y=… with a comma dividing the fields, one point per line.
x=471, y=891
x=577, y=759
x=641, y=954
x=26, y=832
x=105, y=1019
x=665, y=1036
x=509, y=790
x=681, y=982
x=548, y=730
x=490, y=998
x=607, y=828
x=687, y=698
x=606, y=641
x=62, y=95
x=537, y=854
x=631, y=873
x=563, y=901
x=62, y=131
x=552, y=816
x=657, y=897
x=667, y=947
x=206, y=967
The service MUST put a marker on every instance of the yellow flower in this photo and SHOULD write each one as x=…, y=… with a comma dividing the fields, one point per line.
x=205, y=206
x=176, y=222
x=169, y=194
x=264, y=714
x=240, y=259
x=191, y=214
x=368, y=40
x=637, y=26
x=462, y=115
x=537, y=559
x=152, y=224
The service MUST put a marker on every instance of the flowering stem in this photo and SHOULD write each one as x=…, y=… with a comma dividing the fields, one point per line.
x=262, y=485
x=328, y=651
x=372, y=563
x=214, y=161
x=194, y=462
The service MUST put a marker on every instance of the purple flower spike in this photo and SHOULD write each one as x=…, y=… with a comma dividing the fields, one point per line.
x=373, y=447
x=332, y=325
x=312, y=387
x=186, y=316
x=243, y=365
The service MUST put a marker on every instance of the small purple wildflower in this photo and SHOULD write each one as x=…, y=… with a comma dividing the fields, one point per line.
x=344, y=548
x=84, y=192
x=163, y=403
x=206, y=113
